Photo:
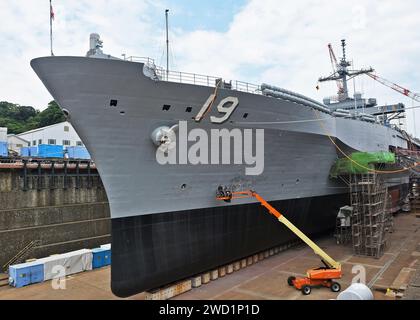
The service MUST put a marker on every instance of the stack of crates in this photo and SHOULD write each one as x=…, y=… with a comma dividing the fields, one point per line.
x=78, y=152
x=44, y=269
x=43, y=151
x=24, y=274
x=25, y=151
x=4, y=152
x=73, y=262
x=50, y=151
x=33, y=151
x=101, y=256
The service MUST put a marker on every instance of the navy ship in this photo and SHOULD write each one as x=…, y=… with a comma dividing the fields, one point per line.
x=166, y=222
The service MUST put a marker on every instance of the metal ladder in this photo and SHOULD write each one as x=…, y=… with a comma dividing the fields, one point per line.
x=21, y=254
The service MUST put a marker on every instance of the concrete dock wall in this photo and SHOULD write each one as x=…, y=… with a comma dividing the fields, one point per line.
x=61, y=218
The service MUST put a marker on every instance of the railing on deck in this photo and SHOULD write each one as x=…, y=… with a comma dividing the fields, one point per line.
x=193, y=78
x=210, y=81
x=146, y=60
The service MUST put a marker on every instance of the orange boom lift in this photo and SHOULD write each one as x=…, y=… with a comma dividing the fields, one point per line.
x=323, y=276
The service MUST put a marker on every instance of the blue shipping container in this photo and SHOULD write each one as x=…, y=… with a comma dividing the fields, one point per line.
x=33, y=151
x=50, y=151
x=37, y=273
x=24, y=152
x=78, y=152
x=101, y=257
x=107, y=258
x=3, y=149
x=19, y=276
x=25, y=273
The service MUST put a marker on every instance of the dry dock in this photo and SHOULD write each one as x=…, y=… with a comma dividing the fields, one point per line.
x=49, y=207
x=397, y=269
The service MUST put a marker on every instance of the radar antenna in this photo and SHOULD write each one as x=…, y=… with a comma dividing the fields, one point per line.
x=341, y=72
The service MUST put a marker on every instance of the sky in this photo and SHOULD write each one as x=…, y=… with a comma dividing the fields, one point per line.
x=283, y=43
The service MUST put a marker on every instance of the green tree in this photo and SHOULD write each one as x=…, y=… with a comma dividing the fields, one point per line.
x=51, y=115
x=19, y=118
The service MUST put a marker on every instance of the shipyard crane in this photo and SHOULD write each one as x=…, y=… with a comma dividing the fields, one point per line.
x=322, y=276
x=334, y=65
x=396, y=87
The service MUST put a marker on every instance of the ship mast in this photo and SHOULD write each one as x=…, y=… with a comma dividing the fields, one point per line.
x=167, y=44
x=342, y=74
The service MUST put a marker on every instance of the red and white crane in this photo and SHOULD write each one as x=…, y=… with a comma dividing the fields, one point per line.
x=396, y=87
x=334, y=65
x=341, y=73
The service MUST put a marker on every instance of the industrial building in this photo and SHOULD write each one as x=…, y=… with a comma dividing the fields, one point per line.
x=3, y=134
x=15, y=143
x=57, y=134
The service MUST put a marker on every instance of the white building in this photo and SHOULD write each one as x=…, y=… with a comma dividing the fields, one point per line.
x=3, y=134
x=15, y=143
x=60, y=134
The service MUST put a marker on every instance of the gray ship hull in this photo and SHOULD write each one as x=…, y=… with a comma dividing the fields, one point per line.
x=166, y=221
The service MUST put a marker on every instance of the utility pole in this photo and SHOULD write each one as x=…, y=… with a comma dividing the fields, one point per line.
x=167, y=45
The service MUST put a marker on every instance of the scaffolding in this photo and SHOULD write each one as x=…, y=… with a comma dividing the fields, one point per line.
x=415, y=193
x=370, y=218
x=411, y=159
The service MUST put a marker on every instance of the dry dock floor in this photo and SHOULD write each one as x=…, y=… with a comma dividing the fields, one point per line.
x=398, y=268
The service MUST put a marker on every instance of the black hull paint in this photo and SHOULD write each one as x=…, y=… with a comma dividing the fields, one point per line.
x=149, y=251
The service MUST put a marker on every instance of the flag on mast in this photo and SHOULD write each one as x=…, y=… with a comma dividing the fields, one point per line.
x=51, y=35
x=51, y=12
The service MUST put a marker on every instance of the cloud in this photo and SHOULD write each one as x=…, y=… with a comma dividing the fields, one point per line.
x=125, y=25
x=287, y=45
x=283, y=43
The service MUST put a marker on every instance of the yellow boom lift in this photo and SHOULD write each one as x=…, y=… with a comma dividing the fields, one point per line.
x=323, y=276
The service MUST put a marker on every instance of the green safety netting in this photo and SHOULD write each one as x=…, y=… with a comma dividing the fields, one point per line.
x=362, y=160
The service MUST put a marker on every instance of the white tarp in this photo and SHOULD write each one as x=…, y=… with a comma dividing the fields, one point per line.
x=106, y=246
x=69, y=263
